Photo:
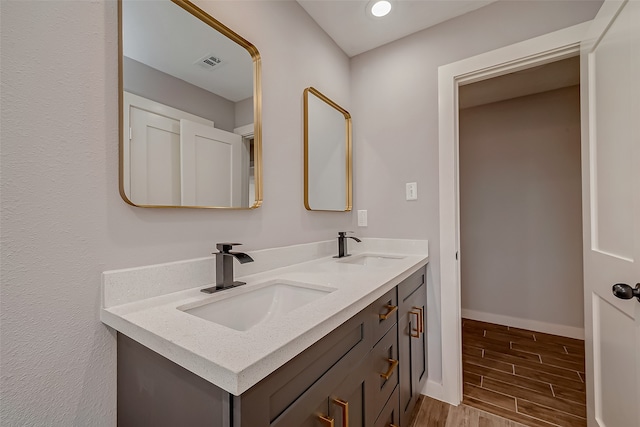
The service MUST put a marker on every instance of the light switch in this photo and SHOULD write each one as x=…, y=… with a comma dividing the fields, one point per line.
x=412, y=191
x=362, y=218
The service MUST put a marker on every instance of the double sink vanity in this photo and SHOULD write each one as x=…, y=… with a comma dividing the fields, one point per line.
x=309, y=340
x=305, y=338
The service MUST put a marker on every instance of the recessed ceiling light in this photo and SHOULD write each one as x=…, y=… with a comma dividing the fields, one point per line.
x=380, y=8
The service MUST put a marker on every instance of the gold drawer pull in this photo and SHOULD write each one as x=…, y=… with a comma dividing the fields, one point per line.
x=392, y=425
x=345, y=411
x=392, y=366
x=420, y=319
x=328, y=422
x=391, y=309
x=417, y=330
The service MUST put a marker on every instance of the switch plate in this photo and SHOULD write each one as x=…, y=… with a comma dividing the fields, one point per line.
x=362, y=218
x=412, y=191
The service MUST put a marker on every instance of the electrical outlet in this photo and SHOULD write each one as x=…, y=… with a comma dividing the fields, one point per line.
x=412, y=191
x=362, y=218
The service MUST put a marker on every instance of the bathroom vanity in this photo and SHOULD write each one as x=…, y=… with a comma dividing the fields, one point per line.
x=355, y=354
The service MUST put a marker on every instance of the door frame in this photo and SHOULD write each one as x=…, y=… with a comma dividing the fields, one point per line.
x=541, y=50
x=248, y=133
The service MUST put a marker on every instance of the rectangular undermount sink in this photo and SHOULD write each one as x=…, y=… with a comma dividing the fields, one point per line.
x=242, y=308
x=374, y=260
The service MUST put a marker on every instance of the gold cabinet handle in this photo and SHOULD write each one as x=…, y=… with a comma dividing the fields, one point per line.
x=345, y=411
x=392, y=366
x=390, y=310
x=420, y=319
x=392, y=425
x=417, y=330
x=328, y=422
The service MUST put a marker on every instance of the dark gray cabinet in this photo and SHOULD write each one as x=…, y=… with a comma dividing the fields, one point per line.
x=154, y=391
x=343, y=406
x=383, y=373
x=390, y=415
x=368, y=372
x=310, y=386
x=412, y=341
x=347, y=402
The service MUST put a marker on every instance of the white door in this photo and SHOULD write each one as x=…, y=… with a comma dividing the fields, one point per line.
x=154, y=159
x=611, y=213
x=151, y=151
x=211, y=166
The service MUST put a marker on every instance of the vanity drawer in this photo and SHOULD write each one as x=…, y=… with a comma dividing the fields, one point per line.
x=384, y=313
x=384, y=376
x=338, y=395
x=411, y=284
x=278, y=398
x=390, y=415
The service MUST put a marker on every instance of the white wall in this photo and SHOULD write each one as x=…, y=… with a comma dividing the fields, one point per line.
x=63, y=221
x=395, y=115
x=521, y=208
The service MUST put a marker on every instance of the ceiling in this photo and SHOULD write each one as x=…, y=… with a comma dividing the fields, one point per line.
x=164, y=36
x=347, y=22
x=355, y=31
x=555, y=75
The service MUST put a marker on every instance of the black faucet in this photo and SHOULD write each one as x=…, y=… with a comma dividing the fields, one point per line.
x=224, y=267
x=342, y=243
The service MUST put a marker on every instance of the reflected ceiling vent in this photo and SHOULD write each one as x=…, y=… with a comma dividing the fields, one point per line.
x=209, y=62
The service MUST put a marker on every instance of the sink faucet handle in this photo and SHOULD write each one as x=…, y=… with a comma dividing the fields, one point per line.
x=225, y=247
x=344, y=233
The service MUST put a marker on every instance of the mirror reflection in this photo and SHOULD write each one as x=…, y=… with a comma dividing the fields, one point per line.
x=190, y=110
x=327, y=154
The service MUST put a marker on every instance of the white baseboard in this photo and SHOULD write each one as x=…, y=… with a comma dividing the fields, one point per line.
x=532, y=325
x=436, y=390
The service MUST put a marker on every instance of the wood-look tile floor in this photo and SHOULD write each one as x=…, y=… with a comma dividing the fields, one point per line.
x=433, y=413
x=529, y=377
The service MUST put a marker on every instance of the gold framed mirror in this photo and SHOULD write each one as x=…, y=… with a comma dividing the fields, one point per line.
x=327, y=154
x=190, y=109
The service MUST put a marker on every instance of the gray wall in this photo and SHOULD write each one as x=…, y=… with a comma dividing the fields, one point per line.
x=153, y=84
x=244, y=112
x=395, y=109
x=62, y=219
x=521, y=208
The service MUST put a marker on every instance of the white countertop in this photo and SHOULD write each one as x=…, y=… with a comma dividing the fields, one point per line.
x=236, y=360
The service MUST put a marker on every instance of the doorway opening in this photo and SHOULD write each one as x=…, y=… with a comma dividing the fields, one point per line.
x=521, y=240
x=532, y=53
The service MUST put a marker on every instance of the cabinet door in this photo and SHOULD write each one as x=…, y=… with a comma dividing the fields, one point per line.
x=310, y=377
x=154, y=391
x=384, y=371
x=347, y=401
x=419, y=349
x=337, y=400
x=154, y=159
x=211, y=165
x=412, y=345
x=390, y=415
x=307, y=412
